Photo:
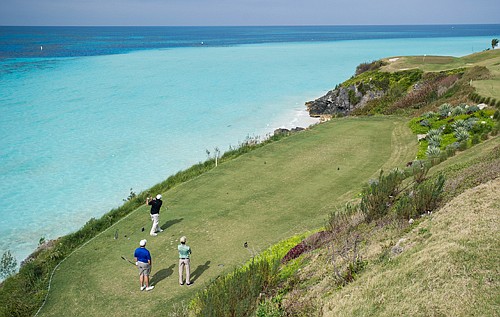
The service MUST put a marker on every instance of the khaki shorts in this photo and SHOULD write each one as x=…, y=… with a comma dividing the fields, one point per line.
x=144, y=268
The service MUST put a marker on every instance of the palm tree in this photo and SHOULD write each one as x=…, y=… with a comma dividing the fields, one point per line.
x=494, y=43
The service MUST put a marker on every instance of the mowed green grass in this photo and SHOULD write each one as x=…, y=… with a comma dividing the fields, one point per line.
x=267, y=195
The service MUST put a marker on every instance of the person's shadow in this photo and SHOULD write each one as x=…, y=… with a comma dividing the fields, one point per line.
x=199, y=270
x=170, y=223
x=162, y=274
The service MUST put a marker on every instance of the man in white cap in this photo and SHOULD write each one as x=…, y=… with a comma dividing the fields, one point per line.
x=184, y=254
x=155, y=213
x=143, y=262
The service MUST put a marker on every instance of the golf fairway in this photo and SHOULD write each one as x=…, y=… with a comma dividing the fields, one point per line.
x=262, y=197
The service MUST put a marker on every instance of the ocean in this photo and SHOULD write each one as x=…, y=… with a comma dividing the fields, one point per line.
x=90, y=113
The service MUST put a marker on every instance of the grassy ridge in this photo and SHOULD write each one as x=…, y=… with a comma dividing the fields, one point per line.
x=265, y=196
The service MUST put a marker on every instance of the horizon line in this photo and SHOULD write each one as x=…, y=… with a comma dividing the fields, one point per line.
x=256, y=25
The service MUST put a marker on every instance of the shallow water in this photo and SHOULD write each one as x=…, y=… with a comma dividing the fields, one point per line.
x=79, y=132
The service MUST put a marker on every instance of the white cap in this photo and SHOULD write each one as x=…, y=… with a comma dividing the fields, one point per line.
x=158, y=196
x=183, y=239
x=143, y=242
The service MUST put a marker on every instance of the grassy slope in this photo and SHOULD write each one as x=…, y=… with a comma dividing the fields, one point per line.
x=448, y=267
x=262, y=197
x=489, y=59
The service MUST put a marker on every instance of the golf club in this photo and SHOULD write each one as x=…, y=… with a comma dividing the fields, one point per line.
x=128, y=260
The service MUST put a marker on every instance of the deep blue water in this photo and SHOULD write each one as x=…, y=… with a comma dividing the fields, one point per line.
x=90, y=41
x=100, y=110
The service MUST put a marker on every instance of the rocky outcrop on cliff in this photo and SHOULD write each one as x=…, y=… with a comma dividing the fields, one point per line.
x=342, y=100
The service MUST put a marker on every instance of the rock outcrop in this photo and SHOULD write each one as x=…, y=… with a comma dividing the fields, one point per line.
x=341, y=101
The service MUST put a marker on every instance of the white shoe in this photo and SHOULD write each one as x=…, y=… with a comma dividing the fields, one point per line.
x=154, y=234
x=161, y=230
x=149, y=288
x=143, y=287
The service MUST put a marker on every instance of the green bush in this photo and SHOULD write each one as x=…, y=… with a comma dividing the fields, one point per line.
x=475, y=139
x=433, y=152
x=463, y=145
x=458, y=111
x=378, y=195
x=444, y=110
x=434, y=140
x=8, y=265
x=472, y=109
x=236, y=294
x=461, y=134
x=451, y=149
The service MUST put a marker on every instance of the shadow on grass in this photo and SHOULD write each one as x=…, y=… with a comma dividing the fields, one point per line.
x=162, y=274
x=170, y=223
x=199, y=271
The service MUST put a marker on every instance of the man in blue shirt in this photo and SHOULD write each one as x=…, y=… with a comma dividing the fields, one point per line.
x=143, y=262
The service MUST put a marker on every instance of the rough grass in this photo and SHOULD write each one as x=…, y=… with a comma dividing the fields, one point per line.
x=446, y=264
x=262, y=197
x=449, y=266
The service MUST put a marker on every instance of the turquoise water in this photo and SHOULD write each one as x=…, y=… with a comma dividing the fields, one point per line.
x=79, y=132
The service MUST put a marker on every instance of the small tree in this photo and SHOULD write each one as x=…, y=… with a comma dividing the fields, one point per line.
x=7, y=265
x=494, y=43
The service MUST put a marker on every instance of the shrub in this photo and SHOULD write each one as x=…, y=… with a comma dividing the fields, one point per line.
x=461, y=134
x=418, y=170
x=458, y=111
x=445, y=110
x=379, y=194
x=423, y=197
x=475, y=139
x=235, y=294
x=451, y=149
x=426, y=195
x=425, y=123
x=433, y=152
x=8, y=265
x=433, y=132
x=469, y=123
x=472, y=109
x=428, y=115
x=364, y=67
x=434, y=140
x=458, y=124
x=463, y=145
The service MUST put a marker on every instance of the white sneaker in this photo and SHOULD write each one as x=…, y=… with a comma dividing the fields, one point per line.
x=143, y=287
x=154, y=234
x=149, y=288
x=161, y=230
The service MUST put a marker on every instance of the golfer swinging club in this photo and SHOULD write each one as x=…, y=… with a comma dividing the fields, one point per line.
x=143, y=261
x=155, y=213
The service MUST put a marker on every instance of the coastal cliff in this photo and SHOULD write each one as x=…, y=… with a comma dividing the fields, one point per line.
x=369, y=83
x=341, y=101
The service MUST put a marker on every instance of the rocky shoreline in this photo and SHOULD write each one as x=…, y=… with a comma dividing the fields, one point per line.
x=341, y=101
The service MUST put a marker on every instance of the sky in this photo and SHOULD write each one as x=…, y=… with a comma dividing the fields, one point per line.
x=246, y=12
